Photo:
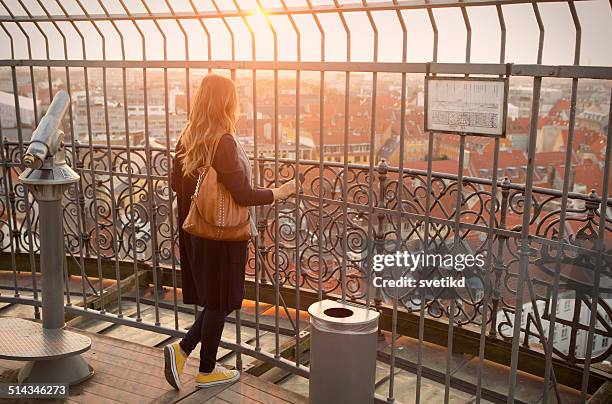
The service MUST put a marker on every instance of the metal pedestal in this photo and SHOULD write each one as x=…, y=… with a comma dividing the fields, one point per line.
x=53, y=354
x=71, y=370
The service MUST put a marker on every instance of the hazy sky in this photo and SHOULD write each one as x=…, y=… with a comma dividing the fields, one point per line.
x=522, y=33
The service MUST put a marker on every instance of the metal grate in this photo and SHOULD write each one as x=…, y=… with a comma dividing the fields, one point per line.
x=26, y=340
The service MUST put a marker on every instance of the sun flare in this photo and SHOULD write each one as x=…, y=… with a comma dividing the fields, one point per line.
x=259, y=16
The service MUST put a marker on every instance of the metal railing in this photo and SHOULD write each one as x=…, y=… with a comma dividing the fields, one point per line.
x=541, y=245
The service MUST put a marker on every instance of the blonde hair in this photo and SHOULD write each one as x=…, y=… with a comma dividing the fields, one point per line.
x=214, y=112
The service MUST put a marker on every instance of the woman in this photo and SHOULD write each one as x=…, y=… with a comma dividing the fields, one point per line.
x=212, y=271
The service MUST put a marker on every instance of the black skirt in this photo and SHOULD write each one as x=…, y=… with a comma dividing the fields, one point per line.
x=217, y=272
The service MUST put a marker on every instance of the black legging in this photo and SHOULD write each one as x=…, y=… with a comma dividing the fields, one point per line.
x=207, y=329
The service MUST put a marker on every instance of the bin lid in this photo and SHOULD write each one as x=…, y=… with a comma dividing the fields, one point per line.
x=342, y=316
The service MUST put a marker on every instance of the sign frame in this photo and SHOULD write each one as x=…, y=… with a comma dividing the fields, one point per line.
x=503, y=80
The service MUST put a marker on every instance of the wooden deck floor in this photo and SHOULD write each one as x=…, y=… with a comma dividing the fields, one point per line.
x=126, y=372
x=530, y=389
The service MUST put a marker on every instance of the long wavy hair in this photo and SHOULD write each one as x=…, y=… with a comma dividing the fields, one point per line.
x=214, y=112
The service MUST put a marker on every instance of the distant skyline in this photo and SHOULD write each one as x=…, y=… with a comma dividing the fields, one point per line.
x=521, y=46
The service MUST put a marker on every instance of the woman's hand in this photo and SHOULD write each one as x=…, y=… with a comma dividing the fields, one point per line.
x=285, y=190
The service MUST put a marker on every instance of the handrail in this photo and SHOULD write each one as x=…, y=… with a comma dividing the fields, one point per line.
x=505, y=183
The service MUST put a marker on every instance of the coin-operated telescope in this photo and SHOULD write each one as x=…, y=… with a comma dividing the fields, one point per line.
x=54, y=354
x=47, y=173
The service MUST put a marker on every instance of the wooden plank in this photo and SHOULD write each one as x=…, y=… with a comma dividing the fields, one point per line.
x=110, y=294
x=434, y=356
x=110, y=392
x=19, y=310
x=151, y=387
x=87, y=397
x=126, y=268
x=147, y=378
x=142, y=337
x=213, y=400
x=299, y=385
x=272, y=389
x=567, y=395
x=169, y=340
x=143, y=372
x=126, y=349
x=132, y=373
x=287, y=350
x=173, y=396
x=257, y=394
x=128, y=364
x=29, y=401
x=152, y=358
x=125, y=390
x=95, y=325
x=121, y=344
x=152, y=365
x=603, y=395
x=198, y=395
x=89, y=324
x=129, y=374
x=234, y=395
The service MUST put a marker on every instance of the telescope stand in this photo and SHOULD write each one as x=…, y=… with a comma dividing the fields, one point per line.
x=53, y=352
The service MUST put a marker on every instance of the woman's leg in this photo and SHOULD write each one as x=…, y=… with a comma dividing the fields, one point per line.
x=194, y=335
x=212, y=328
x=176, y=354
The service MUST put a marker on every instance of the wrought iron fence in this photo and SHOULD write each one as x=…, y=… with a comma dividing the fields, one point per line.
x=542, y=246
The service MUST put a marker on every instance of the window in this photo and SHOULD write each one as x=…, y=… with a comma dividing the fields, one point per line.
x=604, y=342
x=564, y=333
x=567, y=305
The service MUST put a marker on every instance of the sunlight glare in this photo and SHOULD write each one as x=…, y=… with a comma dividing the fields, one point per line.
x=258, y=18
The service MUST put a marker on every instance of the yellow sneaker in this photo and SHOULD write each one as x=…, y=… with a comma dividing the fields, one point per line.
x=174, y=364
x=219, y=375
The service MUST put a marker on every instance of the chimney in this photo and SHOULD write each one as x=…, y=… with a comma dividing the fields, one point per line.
x=550, y=174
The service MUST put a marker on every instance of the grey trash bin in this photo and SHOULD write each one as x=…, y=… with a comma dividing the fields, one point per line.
x=342, y=353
